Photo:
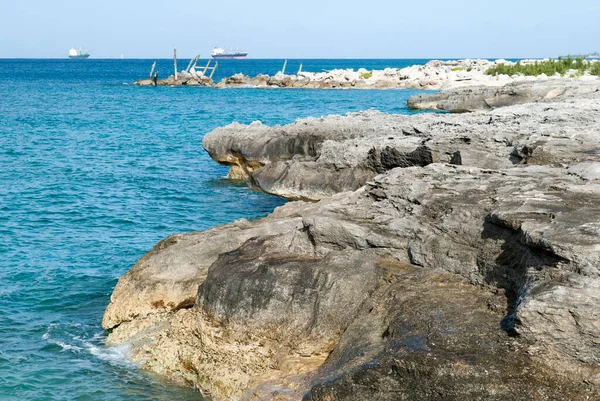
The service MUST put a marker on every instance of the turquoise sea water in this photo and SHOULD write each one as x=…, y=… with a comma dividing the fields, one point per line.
x=93, y=172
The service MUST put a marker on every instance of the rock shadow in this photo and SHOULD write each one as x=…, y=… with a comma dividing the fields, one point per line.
x=516, y=269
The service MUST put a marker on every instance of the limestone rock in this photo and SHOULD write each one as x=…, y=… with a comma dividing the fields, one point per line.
x=313, y=158
x=414, y=274
x=450, y=256
x=485, y=97
x=167, y=278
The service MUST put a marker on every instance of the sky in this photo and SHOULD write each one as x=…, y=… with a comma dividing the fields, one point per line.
x=300, y=29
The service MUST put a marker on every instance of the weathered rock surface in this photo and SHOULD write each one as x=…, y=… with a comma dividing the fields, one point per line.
x=384, y=291
x=313, y=158
x=484, y=97
x=167, y=277
x=464, y=263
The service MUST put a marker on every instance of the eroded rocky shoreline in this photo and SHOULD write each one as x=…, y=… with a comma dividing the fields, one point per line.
x=441, y=256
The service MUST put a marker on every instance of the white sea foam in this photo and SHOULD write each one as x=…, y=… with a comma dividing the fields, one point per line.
x=65, y=347
x=118, y=355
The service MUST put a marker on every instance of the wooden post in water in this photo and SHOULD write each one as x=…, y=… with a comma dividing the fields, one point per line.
x=284, y=65
x=152, y=70
x=175, y=62
x=214, y=69
x=299, y=69
x=189, y=65
x=196, y=61
x=206, y=68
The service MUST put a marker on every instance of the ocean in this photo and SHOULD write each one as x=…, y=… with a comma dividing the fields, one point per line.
x=93, y=172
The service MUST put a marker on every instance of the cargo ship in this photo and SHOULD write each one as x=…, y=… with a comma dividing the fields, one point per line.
x=221, y=54
x=74, y=53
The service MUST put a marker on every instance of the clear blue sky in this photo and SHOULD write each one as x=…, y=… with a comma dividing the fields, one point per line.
x=300, y=29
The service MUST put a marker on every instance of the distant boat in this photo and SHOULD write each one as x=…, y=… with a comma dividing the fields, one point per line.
x=74, y=53
x=220, y=54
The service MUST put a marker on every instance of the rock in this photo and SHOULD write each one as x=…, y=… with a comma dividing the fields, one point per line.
x=484, y=97
x=167, y=278
x=144, y=82
x=313, y=158
x=389, y=279
x=260, y=80
x=450, y=256
x=182, y=79
x=435, y=74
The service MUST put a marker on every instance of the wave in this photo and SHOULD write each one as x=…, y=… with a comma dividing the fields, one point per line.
x=93, y=346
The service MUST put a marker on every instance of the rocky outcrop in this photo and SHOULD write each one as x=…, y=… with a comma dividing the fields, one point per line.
x=167, y=278
x=464, y=266
x=400, y=289
x=485, y=97
x=313, y=158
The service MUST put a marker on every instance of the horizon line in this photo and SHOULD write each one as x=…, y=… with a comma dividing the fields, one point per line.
x=283, y=58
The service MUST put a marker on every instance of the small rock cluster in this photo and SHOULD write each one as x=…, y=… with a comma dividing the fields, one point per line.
x=191, y=78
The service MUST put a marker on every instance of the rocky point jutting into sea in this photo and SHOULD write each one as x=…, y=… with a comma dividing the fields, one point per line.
x=435, y=74
x=432, y=256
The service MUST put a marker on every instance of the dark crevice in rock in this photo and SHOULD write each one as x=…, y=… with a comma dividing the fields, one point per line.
x=386, y=333
x=185, y=304
x=382, y=160
x=521, y=154
x=516, y=269
x=456, y=158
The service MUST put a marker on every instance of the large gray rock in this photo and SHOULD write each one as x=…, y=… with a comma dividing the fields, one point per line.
x=393, y=278
x=462, y=262
x=167, y=277
x=460, y=100
x=313, y=158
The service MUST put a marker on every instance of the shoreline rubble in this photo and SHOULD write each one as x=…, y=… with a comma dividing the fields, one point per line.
x=435, y=74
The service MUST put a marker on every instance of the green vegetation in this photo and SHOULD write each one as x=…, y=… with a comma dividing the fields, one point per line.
x=595, y=68
x=457, y=69
x=469, y=69
x=548, y=67
x=366, y=75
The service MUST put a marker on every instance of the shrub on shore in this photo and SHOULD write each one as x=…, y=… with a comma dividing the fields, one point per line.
x=366, y=75
x=595, y=68
x=548, y=67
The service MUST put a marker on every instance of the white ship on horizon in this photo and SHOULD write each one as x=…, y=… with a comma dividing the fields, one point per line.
x=219, y=54
x=74, y=53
